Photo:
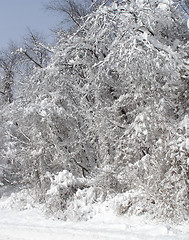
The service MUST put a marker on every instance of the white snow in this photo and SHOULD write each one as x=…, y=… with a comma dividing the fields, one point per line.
x=33, y=225
x=163, y=6
x=188, y=23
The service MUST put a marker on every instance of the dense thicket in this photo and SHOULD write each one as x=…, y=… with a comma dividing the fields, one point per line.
x=108, y=114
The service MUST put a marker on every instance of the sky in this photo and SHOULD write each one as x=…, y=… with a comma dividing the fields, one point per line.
x=16, y=16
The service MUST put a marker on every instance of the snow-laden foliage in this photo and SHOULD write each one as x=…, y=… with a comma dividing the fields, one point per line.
x=112, y=106
x=63, y=187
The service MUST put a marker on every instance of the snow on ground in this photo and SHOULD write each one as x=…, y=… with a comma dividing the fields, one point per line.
x=33, y=225
x=20, y=220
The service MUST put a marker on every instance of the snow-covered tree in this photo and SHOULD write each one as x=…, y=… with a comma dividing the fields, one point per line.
x=111, y=105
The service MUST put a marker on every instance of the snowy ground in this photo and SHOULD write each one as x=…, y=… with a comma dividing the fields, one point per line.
x=33, y=225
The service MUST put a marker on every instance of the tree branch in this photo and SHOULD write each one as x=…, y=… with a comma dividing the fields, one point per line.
x=82, y=167
x=36, y=63
x=2, y=92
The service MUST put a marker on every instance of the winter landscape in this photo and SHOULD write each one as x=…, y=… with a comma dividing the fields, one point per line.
x=94, y=129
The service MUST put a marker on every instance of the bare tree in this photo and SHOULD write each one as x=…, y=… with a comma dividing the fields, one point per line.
x=8, y=62
x=75, y=10
x=19, y=61
x=35, y=49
